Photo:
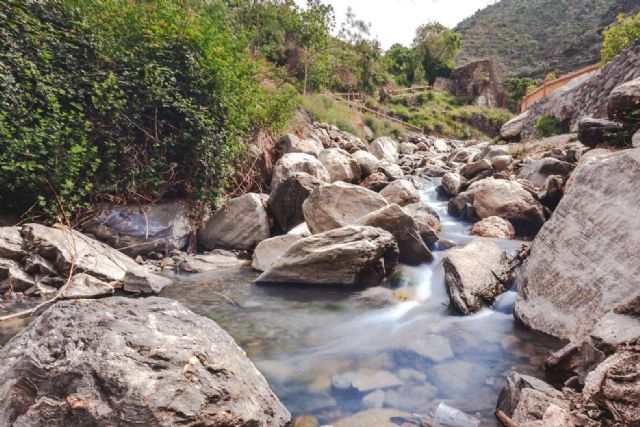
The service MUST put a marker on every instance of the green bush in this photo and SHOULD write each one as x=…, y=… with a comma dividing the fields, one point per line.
x=620, y=35
x=122, y=100
x=550, y=126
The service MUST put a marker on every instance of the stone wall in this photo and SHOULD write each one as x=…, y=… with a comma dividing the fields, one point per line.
x=478, y=81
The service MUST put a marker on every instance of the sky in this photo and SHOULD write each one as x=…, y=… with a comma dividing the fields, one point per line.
x=395, y=21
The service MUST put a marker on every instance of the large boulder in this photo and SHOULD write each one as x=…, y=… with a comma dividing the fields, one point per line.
x=396, y=221
x=268, y=251
x=240, y=224
x=285, y=201
x=513, y=128
x=593, y=132
x=138, y=230
x=353, y=256
x=367, y=161
x=498, y=197
x=472, y=169
x=340, y=165
x=339, y=204
x=68, y=251
x=495, y=227
x=538, y=171
x=292, y=144
x=120, y=361
x=11, y=243
x=475, y=275
x=624, y=100
x=452, y=183
x=385, y=148
x=401, y=191
x=583, y=262
x=298, y=162
x=427, y=221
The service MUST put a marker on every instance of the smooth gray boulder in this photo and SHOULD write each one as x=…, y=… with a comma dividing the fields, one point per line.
x=499, y=197
x=340, y=165
x=292, y=144
x=392, y=218
x=401, y=192
x=122, y=361
x=353, y=256
x=85, y=286
x=475, y=275
x=240, y=224
x=339, y=204
x=584, y=261
x=514, y=127
x=268, y=251
x=285, y=201
x=71, y=251
x=538, y=171
x=298, y=162
x=138, y=230
x=367, y=161
x=385, y=148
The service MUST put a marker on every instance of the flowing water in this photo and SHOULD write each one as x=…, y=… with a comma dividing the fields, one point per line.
x=312, y=343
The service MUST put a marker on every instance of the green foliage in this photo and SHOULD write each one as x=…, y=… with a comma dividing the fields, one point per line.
x=550, y=126
x=437, y=47
x=518, y=87
x=124, y=100
x=625, y=31
x=404, y=65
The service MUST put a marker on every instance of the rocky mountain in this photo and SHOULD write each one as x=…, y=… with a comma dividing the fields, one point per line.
x=537, y=37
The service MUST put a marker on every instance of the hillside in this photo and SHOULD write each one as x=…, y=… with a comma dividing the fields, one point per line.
x=537, y=37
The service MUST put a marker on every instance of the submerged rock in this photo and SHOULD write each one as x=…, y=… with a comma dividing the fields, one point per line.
x=355, y=256
x=475, y=275
x=165, y=366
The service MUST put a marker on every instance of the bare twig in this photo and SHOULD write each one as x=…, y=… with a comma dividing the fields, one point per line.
x=504, y=419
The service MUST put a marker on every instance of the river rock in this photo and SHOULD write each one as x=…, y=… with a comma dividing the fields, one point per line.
x=384, y=148
x=285, y=201
x=298, y=162
x=513, y=128
x=624, y=100
x=400, y=191
x=240, y=224
x=452, y=183
x=472, y=169
x=495, y=227
x=383, y=417
x=339, y=204
x=501, y=163
x=510, y=395
x=340, y=165
x=292, y=144
x=396, y=221
x=165, y=366
x=70, y=250
x=375, y=182
x=408, y=148
x=268, y=251
x=577, y=273
x=13, y=277
x=367, y=161
x=84, y=286
x=353, y=256
x=593, y=132
x=427, y=221
x=475, y=275
x=615, y=330
x=11, y=243
x=391, y=170
x=538, y=171
x=499, y=197
x=138, y=230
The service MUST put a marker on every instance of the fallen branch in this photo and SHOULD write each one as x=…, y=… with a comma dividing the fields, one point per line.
x=504, y=419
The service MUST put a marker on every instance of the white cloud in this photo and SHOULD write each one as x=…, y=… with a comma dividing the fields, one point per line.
x=395, y=21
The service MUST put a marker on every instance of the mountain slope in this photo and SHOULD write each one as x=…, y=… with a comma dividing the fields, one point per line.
x=536, y=37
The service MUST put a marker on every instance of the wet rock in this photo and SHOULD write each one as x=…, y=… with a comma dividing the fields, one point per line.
x=454, y=379
x=240, y=224
x=615, y=330
x=427, y=221
x=513, y=128
x=285, y=201
x=306, y=421
x=536, y=409
x=475, y=275
x=573, y=361
x=396, y=221
x=84, y=286
x=391, y=170
x=368, y=162
x=511, y=394
x=593, y=132
x=410, y=398
x=401, y=192
x=292, y=144
x=339, y=204
x=11, y=243
x=538, y=171
x=12, y=277
x=452, y=183
x=576, y=274
x=268, y=251
x=385, y=148
x=67, y=249
x=375, y=182
x=472, y=169
x=166, y=366
x=366, y=381
x=498, y=197
x=374, y=399
x=340, y=165
x=495, y=227
x=433, y=347
x=216, y=260
x=350, y=256
x=138, y=230
x=624, y=100
x=298, y=162
x=376, y=417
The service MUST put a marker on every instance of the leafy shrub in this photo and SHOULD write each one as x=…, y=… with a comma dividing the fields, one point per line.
x=550, y=126
x=122, y=100
x=620, y=35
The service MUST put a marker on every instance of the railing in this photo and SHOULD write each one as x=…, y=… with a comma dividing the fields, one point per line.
x=414, y=90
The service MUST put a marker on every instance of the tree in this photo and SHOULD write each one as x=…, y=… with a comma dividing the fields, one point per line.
x=518, y=87
x=403, y=64
x=437, y=46
x=620, y=35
